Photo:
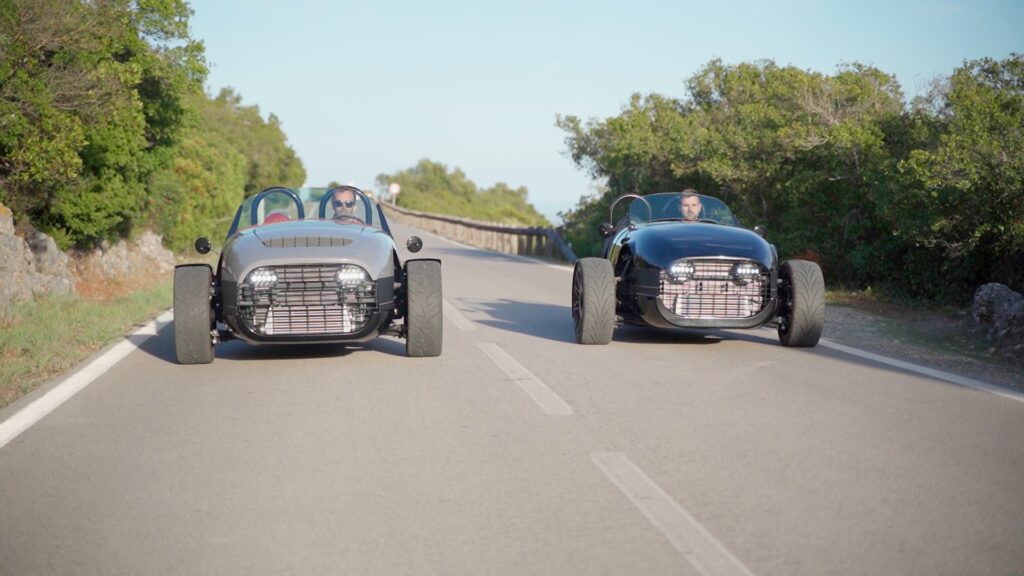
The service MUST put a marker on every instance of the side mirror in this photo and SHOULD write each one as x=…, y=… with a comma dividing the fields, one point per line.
x=761, y=231
x=414, y=244
x=202, y=245
x=605, y=229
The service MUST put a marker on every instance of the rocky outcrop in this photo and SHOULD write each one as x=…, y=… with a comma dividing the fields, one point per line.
x=143, y=257
x=1001, y=311
x=32, y=265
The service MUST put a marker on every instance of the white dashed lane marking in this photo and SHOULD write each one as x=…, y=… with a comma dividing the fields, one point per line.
x=456, y=317
x=541, y=394
x=698, y=546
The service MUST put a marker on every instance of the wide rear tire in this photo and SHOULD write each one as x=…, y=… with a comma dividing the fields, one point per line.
x=193, y=343
x=803, y=304
x=593, y=301
x=424, y=322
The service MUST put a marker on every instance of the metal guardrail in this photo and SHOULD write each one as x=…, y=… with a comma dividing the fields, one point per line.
x=534, y=241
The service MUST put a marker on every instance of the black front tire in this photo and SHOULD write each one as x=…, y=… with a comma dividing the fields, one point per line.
x=593, y=301
x=803, y=304
x=193, y=322
x=424, y=322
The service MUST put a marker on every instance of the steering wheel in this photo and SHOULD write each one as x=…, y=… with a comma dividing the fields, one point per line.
x=329, y=195
x=348, y=218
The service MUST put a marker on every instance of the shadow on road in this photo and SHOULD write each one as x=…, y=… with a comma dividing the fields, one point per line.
x=547, y=321
x=554, y=322
x=651, y=335
x=162, y=346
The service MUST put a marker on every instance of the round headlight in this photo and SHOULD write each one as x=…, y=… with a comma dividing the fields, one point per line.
x=681, y=270
x=349, y=275
x=262, y=278
x=745, y=271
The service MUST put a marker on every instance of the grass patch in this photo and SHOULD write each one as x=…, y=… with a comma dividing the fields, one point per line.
x=43, y=339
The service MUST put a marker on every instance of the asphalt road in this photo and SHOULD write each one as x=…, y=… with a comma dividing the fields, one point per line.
x=516, y=452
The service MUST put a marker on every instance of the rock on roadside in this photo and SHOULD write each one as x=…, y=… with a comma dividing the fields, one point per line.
x=33, y=266
x=1001, y=311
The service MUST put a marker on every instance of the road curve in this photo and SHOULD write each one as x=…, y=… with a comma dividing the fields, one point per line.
x=516, y=451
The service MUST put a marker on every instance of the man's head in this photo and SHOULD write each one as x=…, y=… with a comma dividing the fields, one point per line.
x=344, y=203
x=689, y=204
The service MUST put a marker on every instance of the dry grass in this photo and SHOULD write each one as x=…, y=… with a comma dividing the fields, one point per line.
x=41, y=340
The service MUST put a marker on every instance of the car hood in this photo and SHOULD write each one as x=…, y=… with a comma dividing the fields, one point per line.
x=662, y=243
x=308, y=242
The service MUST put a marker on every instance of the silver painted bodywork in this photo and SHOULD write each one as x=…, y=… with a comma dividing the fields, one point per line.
x=369, y=247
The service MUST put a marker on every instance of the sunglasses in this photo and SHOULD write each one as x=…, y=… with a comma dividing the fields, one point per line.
x=345, y=203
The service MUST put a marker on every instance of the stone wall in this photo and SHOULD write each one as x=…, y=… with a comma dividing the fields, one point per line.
x=31, y=265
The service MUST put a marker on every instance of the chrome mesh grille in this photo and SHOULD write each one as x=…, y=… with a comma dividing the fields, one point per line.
x=712, y=292
x=306, y=300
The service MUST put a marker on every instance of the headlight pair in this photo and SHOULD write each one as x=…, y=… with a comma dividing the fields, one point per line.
x=740, y=272
x=347, y=276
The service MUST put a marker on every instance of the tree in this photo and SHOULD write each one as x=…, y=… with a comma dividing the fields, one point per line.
x=270, y=161
x=962, y=212
x=88, y=92
x=430, y=187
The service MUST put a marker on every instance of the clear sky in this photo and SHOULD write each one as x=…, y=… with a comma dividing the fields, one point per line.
x=371, y=87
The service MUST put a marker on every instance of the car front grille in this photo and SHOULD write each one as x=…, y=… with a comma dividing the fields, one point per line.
x=713, y=293
x=306, y=301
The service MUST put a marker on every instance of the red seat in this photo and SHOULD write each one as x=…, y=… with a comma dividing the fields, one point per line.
x=276, y=217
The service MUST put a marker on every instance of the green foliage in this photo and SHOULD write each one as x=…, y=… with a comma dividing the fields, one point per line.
x=965, y=203
x=430, y=187
x=103, y=124
x=197, y=194
x=270, y=161
x=89, y=92
x=925, y=200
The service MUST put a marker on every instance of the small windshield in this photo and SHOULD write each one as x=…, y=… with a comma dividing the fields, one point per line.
x=669, y=206
x=277, y=205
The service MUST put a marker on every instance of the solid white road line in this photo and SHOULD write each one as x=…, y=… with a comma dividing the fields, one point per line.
x=541, y=394
x=702, y=550
x=456, y=317
x=938, y=374
x=29, y=415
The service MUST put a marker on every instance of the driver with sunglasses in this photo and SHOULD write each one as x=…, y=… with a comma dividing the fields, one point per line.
x=344, y=204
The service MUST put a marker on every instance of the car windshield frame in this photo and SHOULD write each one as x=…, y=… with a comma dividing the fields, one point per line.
x=665, y=207
x=278, y=200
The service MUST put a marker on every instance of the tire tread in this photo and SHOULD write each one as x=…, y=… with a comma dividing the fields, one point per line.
x=808, y=314
x=596, y=324
x=424, y=317
x=193, y=343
